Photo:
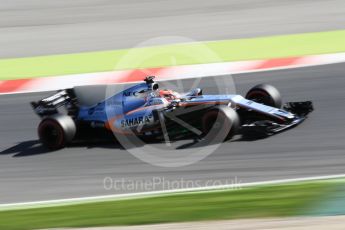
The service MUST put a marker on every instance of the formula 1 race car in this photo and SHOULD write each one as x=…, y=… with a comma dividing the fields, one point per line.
x=143, y=110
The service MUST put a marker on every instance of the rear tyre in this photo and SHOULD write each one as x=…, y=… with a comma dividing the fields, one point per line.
x=220, y=123
x=56, y=131
x=265, y=94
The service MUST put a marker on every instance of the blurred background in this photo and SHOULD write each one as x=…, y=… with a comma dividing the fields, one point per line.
x=40, y=27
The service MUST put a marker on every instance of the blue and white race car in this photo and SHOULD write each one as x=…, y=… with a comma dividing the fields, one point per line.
x=144, y=110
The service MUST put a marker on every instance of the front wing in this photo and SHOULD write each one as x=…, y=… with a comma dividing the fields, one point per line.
x=268, y=127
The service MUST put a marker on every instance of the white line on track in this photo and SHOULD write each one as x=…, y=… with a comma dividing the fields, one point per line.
x=70, y=201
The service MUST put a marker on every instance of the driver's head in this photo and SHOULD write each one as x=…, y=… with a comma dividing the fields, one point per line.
x=169, y=94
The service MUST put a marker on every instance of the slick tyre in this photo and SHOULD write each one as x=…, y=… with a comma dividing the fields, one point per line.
x=219, y=124
x=265, y=94
x=56, y=131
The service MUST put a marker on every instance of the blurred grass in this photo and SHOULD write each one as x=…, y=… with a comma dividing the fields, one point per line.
x=176, y=54
x=265, y=201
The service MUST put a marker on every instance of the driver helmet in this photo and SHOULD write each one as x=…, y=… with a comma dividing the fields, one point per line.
x=169, y=94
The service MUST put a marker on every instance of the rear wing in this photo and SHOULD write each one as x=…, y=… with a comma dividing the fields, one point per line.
x=50, y=105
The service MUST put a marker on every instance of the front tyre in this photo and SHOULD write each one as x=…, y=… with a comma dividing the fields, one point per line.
x=220, y=123
x=56, y=131
x=265, y=94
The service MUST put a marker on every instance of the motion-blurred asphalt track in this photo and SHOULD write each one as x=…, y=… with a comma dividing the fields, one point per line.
x=27, y=28
x=37, y=27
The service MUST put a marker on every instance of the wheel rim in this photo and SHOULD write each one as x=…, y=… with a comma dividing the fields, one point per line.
x=214, y=121
x=51, y=134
